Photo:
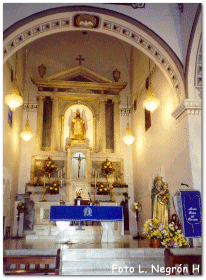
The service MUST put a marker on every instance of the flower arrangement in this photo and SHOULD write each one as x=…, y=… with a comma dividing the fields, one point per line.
x=49, y=168
x=107, y=167
x=53, y=188
x=174, y=237
x=170, y=235
x=104, y=190
x=154, y=229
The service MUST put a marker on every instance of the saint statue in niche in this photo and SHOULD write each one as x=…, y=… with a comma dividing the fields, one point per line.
x=78, y=130
x=160, y=201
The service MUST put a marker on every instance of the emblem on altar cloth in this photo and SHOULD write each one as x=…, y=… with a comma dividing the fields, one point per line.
x=87, y=212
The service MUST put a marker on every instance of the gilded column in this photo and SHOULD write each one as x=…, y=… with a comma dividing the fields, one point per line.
x=116, y=127
x=39, y=124
x=102, y=133
x=54, y=130
x=69, y=187
x=62, y=134
x=94, y=134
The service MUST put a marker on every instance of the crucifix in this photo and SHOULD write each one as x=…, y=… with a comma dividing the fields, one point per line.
x=79, y=163
x=80, y=59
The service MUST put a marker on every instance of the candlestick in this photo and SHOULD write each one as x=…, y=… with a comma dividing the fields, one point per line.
x=61, y=187
x=44, y=188
x=95, y=189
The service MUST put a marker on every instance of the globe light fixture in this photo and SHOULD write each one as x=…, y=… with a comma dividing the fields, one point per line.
x=128, y=137
x=13, y=99
x=26, y=134
x=151, y=102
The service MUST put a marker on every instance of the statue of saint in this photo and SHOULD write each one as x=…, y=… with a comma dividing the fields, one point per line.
x=78, y=130
x=160, y=201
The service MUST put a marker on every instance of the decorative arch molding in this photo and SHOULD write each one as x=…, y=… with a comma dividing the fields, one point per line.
x=193, y=68
x=110, y=23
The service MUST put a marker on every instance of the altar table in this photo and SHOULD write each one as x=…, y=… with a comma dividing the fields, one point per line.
x=107, y=215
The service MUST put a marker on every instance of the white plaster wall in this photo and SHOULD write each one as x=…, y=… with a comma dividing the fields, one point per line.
x=195, y=141
x=11, y=145
x=164, y=146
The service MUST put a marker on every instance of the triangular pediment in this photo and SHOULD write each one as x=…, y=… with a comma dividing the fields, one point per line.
x=79, y=74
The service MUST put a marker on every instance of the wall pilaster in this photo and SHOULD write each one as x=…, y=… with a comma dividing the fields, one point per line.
x=39, y=125
x=54, y=130
x=117, y=148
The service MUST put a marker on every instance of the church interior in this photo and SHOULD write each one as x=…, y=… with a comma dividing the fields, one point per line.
x=100, y=103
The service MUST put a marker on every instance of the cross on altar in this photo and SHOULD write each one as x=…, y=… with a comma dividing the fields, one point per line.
x=80, y=59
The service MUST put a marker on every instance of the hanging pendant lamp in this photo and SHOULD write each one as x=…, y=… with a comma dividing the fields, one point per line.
x=13, y=99
x=128, y=137
x=26, y=134
x=151, y=102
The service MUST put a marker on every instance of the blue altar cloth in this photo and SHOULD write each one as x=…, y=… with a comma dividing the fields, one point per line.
x=86, y=213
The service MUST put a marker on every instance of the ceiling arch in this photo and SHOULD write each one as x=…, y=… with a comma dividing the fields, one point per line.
x=110, y=23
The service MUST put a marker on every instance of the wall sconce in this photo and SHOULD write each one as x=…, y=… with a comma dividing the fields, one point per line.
x=13, y=99
x=151, y=102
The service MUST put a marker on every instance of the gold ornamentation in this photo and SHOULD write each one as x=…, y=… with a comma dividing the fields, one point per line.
x=86, y=21
x=78, y=130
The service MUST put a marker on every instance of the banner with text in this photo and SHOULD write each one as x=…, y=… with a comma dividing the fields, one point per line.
x=192, y=211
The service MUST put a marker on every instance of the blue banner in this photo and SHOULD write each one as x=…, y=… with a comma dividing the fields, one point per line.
x=192, y=212
x=86, y=213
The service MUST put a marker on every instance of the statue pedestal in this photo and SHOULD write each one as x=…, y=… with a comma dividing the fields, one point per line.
x=78, y=171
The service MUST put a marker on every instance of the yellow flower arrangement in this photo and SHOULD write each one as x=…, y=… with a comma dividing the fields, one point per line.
x=170, y=235
x=154, y=229
x=174, y=237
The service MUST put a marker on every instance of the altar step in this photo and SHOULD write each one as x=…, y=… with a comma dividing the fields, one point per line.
x=122, y=261
x=86, y=234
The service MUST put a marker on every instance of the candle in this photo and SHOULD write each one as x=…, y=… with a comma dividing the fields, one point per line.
x=44, y=181
x=61, y=181
x=95, y=181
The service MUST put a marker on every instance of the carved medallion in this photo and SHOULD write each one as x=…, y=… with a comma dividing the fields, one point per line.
x=86, y=21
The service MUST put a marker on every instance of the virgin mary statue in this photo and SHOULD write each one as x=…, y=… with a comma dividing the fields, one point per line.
x=160, y=201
